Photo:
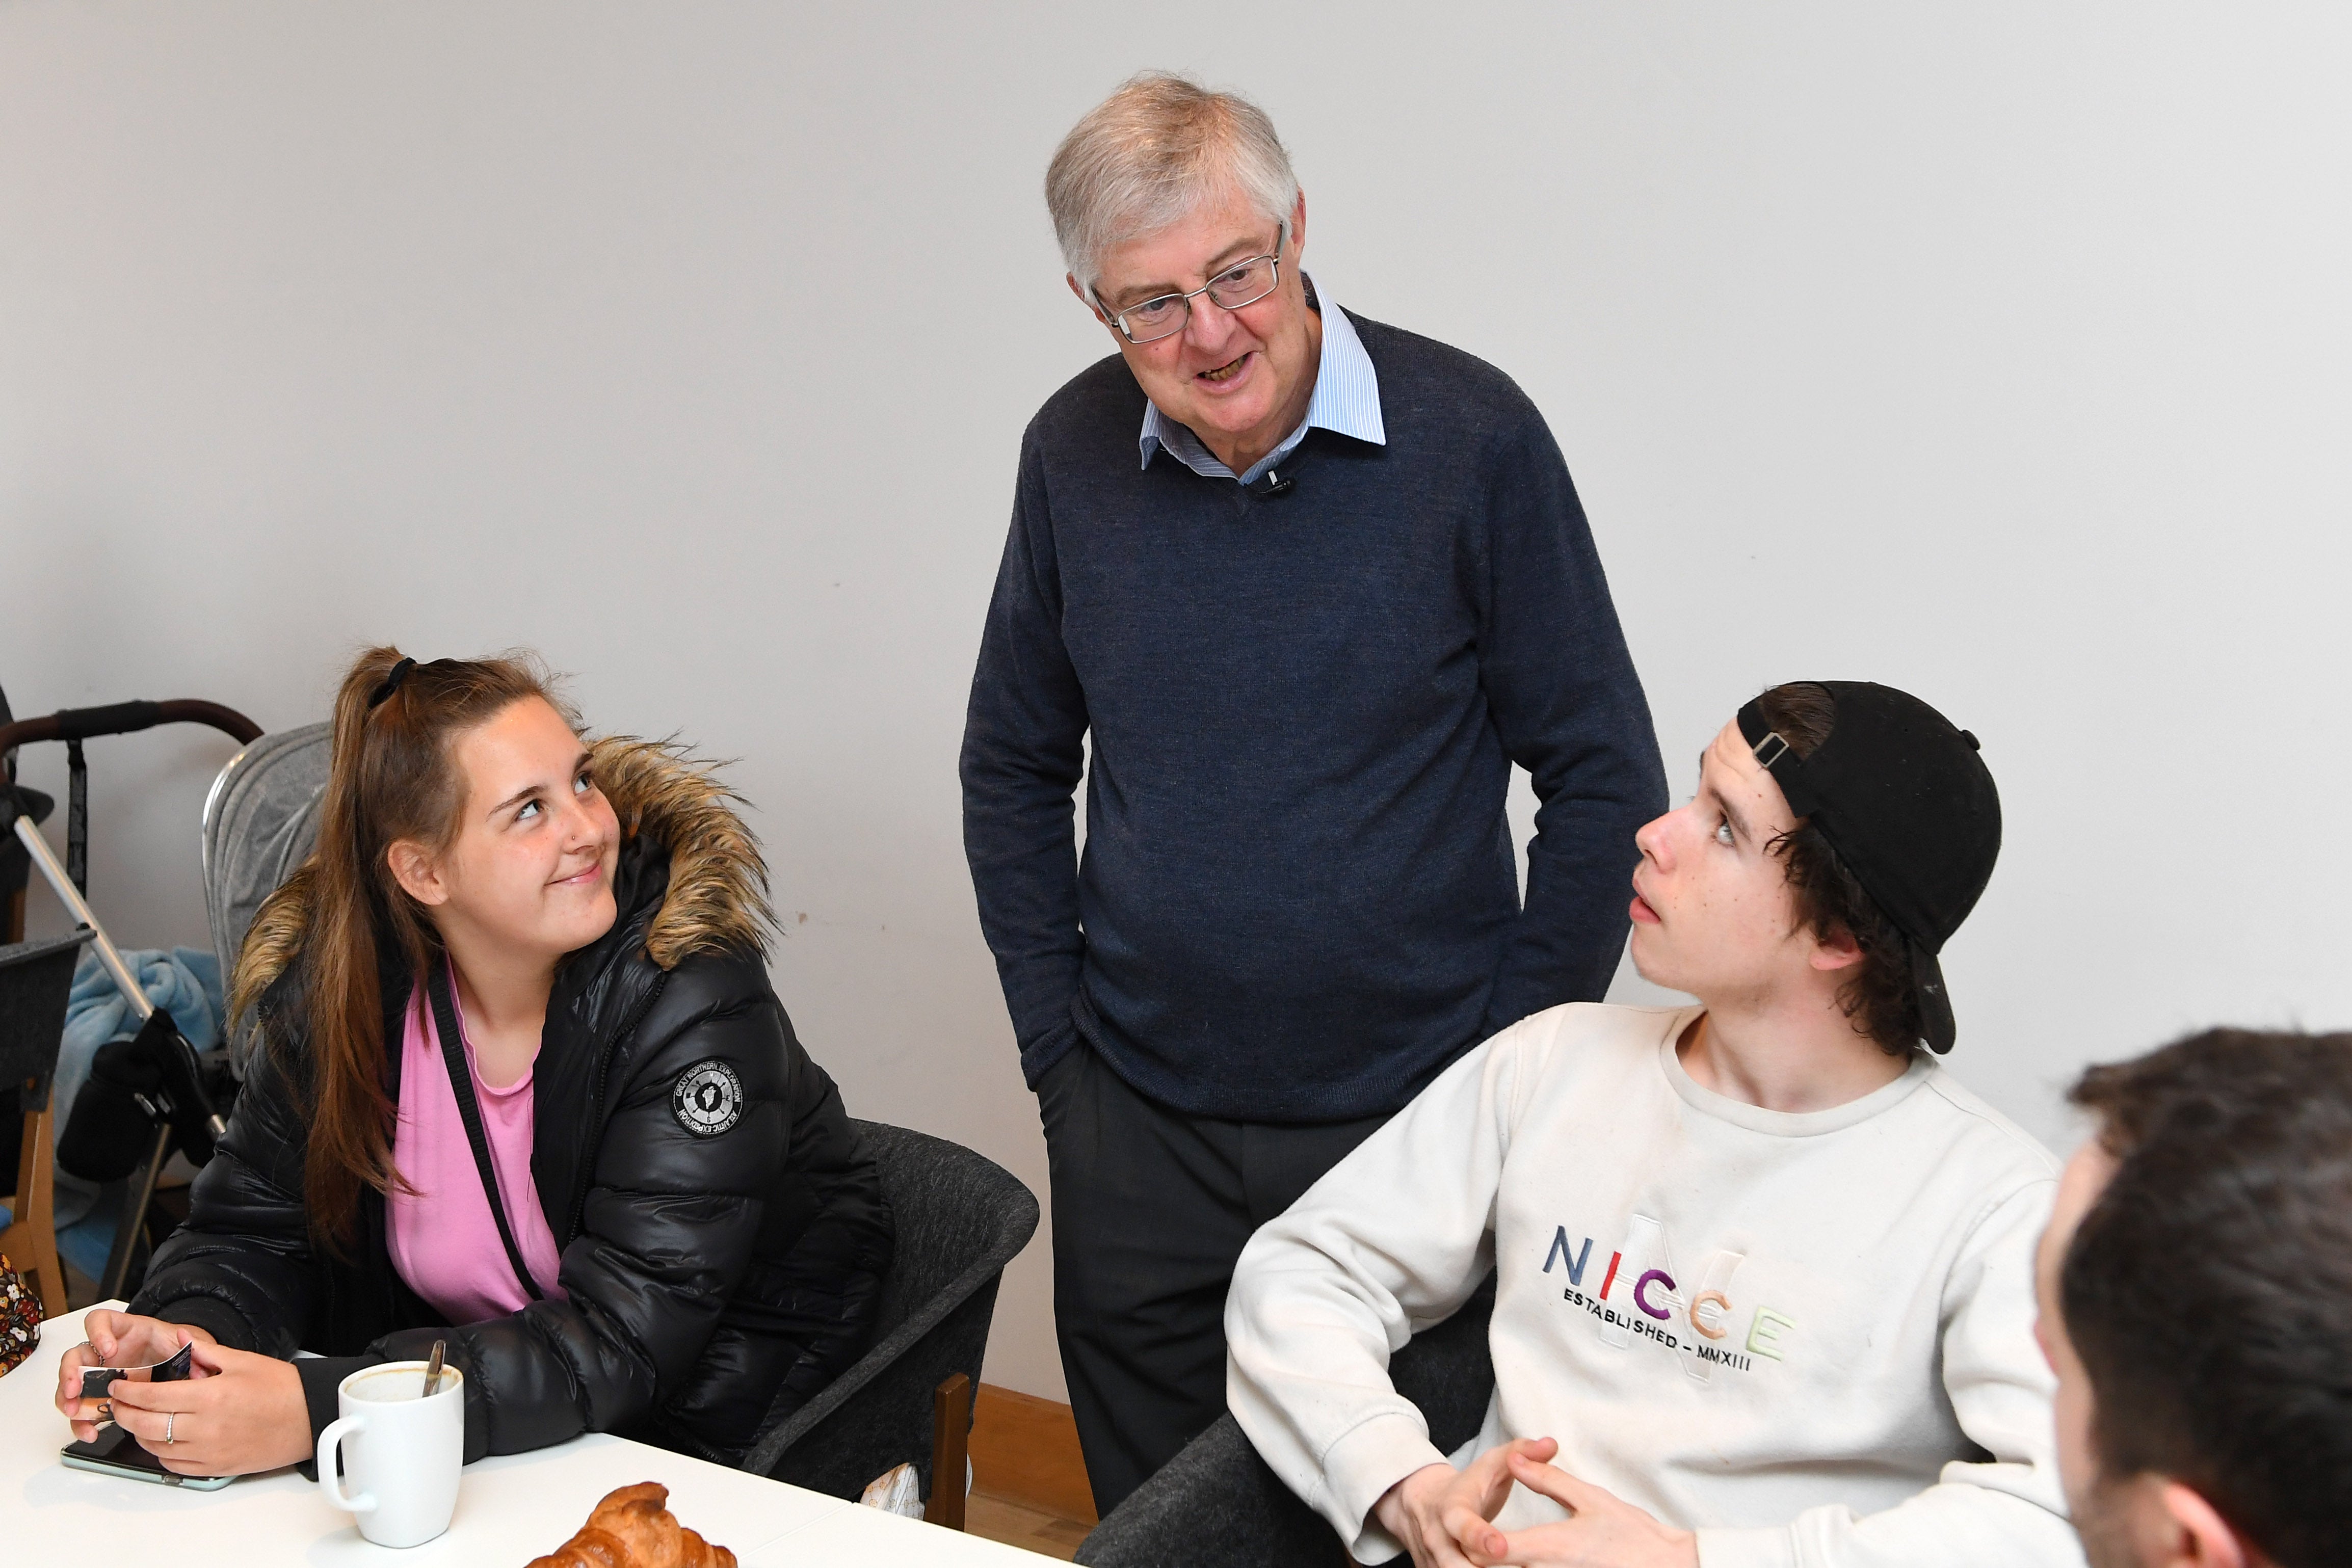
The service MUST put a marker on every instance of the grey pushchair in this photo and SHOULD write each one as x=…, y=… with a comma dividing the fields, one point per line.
x=261, y=822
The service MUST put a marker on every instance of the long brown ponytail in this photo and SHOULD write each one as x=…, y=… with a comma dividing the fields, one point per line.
x=392, y=777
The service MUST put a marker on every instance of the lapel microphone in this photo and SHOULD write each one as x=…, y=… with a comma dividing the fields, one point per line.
x=1273, y=485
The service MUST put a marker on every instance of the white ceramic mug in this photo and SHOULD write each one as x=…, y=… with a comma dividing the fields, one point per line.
x=402, y=1453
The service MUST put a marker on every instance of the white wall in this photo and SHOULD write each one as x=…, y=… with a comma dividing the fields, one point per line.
x=1999, y=352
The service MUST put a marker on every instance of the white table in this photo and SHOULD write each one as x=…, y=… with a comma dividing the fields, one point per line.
x=510, y=1509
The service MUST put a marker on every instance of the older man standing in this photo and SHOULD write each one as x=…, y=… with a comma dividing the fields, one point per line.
x=1311, y=584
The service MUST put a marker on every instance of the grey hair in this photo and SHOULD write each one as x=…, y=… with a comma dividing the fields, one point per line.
x=1149, y=155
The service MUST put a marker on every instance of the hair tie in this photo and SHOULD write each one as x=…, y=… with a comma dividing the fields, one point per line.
x=391, y=684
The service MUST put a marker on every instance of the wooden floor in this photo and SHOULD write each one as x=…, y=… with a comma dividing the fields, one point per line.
x=1029, y=1483
x=1017, y=1524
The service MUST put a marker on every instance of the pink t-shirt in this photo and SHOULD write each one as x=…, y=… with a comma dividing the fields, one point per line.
x=444, y=1240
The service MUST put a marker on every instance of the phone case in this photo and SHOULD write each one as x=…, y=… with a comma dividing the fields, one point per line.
x=173, y=1368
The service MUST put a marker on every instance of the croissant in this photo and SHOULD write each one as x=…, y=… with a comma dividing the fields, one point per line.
x=631, y=1528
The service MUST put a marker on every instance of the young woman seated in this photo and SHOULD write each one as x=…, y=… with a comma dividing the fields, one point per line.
x=523, y=965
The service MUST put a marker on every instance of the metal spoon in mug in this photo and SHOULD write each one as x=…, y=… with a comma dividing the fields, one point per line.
x=433, y=1367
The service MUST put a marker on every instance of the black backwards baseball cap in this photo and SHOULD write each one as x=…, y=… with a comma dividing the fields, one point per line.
x=1910, y=808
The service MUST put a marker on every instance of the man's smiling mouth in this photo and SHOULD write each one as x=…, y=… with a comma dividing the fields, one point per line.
x=1226, y=371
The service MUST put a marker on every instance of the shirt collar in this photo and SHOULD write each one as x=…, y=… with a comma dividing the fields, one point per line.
x=1346, y=402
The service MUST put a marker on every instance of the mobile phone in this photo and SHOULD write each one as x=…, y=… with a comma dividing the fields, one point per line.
x=95, y=1380
x=115, y=1452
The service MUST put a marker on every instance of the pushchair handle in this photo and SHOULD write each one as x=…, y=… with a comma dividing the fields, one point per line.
x=78, y=907
x=76, y=725
x=125, y=719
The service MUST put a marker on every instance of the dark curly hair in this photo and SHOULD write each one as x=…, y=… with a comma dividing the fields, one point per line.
x=1878, y=996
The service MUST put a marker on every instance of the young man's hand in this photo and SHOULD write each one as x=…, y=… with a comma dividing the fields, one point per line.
x=1445, y=1517
x=244, y=1413
x=1601, y=1531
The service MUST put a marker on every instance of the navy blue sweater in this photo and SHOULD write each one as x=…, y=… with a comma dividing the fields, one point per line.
x=1299, y=901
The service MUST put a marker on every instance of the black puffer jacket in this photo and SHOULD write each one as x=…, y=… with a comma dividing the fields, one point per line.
x=707, y=1271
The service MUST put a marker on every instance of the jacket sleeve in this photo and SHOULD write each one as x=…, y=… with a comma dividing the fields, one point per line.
x=804, y=1311
x=668, y=1225
x=241, y=1268
x=1570, y=709
x=1394, y=1238
x=1024, y=741
x=2004, y=1508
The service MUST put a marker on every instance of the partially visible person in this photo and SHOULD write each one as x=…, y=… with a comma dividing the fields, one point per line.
x=521, y=1084
x=1292, y=589
x=2193, y=1285
x=1763, y=1268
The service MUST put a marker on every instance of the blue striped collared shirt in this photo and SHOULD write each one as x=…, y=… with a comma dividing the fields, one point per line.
x=1346, y=401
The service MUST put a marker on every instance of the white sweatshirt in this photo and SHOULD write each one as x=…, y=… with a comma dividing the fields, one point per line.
x=1807, y=1337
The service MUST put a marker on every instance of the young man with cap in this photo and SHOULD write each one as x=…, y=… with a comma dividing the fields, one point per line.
x=1764, y=1291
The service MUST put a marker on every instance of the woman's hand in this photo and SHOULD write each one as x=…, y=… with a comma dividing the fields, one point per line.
x=1603, y=1531
x=1446, y=1517
x=242, y=1413
x=116, y=1339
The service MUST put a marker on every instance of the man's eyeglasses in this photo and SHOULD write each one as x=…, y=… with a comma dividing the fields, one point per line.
x=1242, y=283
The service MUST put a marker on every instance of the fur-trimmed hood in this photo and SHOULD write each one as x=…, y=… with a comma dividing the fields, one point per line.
x=716, y=898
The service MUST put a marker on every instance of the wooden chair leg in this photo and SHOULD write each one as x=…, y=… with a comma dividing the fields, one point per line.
x=950, y=1437
x=31, y=1238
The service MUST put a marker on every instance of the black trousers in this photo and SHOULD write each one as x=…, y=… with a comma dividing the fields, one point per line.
x=1151, y=1207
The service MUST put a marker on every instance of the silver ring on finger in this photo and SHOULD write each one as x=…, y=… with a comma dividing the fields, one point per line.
x=169, y=1417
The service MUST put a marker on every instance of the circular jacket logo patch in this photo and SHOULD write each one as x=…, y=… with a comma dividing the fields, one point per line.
x=707, y=1099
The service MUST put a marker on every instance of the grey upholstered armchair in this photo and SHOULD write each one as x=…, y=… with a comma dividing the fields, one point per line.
x=1216, y=1505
